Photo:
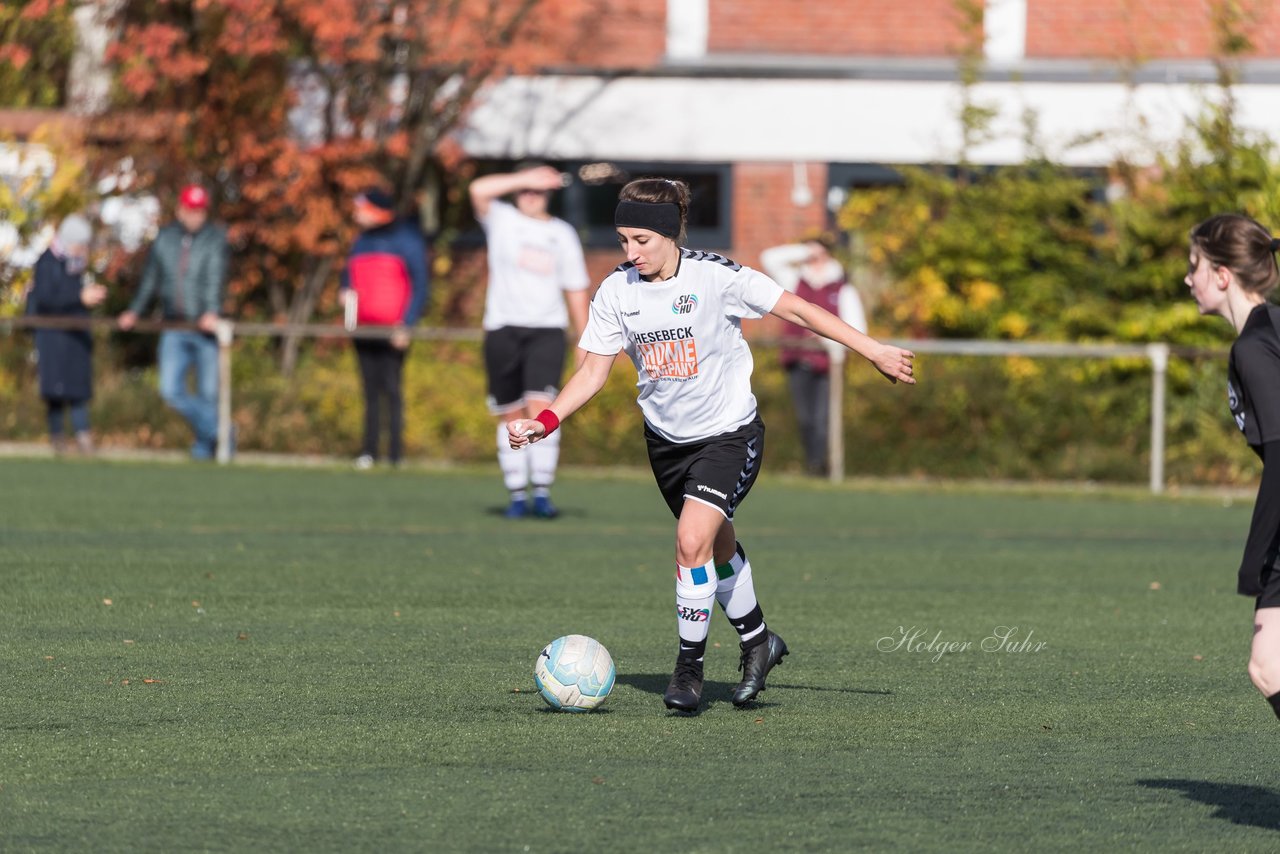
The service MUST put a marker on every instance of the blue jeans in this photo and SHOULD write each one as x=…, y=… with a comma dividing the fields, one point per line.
x=179, y=353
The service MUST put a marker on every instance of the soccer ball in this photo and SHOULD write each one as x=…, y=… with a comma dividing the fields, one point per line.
x=574, y=673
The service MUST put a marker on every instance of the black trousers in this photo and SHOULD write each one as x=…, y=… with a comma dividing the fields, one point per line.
x=809, y=395
x=382, y=374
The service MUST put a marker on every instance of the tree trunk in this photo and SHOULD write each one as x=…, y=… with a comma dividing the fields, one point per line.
x=300, y=312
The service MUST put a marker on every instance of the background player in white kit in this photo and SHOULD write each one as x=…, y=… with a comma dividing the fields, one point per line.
x=535, y=267
x=676, y=313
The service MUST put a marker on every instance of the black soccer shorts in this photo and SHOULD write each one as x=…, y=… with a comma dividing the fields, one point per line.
x=719, y=471
x=1270, y=597
x=522, y=362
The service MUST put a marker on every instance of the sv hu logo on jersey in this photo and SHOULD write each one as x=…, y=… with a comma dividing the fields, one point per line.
x=693, y=615
x=684, y=304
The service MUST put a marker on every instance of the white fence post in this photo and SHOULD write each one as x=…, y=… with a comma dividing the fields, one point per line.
x=224, y=332
x=835, y=420
x=1159, y=356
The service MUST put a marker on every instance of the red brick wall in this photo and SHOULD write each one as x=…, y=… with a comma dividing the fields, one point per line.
x=632, y=33
x=764, y=215
x=601, y=262
x=763, y=212
x=834, y=27
x=1138, y=29
x=598, y=33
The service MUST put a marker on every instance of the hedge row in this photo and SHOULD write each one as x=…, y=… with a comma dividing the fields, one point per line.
x=1006, y=418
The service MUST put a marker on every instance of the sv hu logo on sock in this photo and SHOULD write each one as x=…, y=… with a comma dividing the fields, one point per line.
x=693, y=615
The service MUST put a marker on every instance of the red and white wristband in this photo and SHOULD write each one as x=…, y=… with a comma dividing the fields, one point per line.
x=548, y=420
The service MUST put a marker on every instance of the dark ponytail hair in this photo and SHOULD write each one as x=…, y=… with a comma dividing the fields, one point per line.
x=657, y=191
x=1241, y=245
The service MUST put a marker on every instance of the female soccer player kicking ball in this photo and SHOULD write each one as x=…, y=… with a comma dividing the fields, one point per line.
x=676, y=313
x=1231, y=271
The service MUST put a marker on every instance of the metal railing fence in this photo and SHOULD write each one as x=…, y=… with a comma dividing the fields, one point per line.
x=1155, y=354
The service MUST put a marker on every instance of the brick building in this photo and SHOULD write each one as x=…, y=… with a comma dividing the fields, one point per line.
x=776, y=109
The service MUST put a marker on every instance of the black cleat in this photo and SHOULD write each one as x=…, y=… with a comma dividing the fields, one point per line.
x=685, y=691
x=755, y=665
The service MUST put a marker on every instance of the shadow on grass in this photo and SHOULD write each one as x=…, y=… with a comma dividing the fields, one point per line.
x=832, y=690
x=1254, y=806
x=713, y=693
x=656, y=683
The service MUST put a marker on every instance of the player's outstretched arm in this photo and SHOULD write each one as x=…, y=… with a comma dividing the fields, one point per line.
x=894, y=362
x=581, y=387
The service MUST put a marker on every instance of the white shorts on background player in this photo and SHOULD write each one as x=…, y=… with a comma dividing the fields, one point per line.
x=531, y=262
x=685, y=339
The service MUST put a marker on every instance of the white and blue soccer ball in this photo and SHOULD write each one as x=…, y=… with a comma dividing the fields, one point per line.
x=574, y=673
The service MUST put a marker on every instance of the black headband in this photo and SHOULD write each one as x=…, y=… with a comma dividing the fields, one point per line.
x=662, y=217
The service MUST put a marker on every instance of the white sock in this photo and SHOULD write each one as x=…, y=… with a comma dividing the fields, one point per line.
x=737, y=596
x=695, y=596
x=544, y=455
x=514, y=464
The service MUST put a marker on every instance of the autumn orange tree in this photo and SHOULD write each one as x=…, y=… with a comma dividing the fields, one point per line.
x=37, y=38
x=285, y=108
x=46, y=179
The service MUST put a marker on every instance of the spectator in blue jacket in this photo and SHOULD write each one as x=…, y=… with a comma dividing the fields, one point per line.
x=385, y=283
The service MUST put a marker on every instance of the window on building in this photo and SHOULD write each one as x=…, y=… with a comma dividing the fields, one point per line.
x=844, y=179
x=591, y=199
x=588, y=202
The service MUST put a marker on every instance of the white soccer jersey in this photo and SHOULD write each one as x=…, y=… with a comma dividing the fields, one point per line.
x=531, y=261
x=685, y=339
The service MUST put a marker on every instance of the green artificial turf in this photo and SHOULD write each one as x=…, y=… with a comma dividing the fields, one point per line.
x=327, y=660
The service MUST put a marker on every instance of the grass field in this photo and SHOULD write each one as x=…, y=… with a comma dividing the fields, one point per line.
x=324, y=660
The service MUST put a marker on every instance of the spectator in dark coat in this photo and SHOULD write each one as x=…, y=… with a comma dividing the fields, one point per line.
x=59, y=289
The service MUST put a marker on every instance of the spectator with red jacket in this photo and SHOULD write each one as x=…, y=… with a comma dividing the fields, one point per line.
x=385, y=283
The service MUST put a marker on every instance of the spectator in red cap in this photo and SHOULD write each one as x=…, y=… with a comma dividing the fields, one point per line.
x=186, y=274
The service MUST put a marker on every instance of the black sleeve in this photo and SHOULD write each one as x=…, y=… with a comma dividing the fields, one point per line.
x=1261, y=547
x=1257, y=361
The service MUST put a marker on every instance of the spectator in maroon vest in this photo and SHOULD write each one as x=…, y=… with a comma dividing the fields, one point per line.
x=809, y=270
x=385, y=283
